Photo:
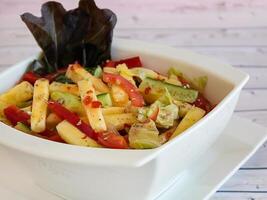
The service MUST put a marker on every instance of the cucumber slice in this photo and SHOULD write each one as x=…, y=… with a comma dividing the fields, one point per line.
x=105, y=99
x=153, y=89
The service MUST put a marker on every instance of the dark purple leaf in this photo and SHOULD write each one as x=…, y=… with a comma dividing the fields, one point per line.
x=83, y=34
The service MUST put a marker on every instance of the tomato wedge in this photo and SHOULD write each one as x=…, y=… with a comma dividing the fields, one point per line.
x=15, y=115
x=112, y=140
x=72, y=118
x=135, y=96
x=203, y=103
x=130, y=62
x=30, y=77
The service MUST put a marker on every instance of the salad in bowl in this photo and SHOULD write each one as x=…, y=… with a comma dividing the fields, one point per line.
x=120, y=104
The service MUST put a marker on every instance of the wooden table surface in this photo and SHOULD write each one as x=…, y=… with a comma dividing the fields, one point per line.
x=232, y=30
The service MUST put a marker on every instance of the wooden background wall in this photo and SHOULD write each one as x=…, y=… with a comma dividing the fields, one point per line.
x=232, y=30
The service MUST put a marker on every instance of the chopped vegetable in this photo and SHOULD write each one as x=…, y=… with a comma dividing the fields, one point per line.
x=22, y=127
x=193, y=115
x=39, y=105
x=131, y=90
x=72, y=135
x=105, y=99
x=16, y=95
x=15, y=115
x=118, y=121
x=98, y=72
x=112, y=140
x=119, y=96
x=203, y=103
x=77, y=73
x=64, y=87
x=144, y=135
x=113, y=110
x=123, y=70
x=52, y=121
x=130, y=62
x=89, y=101
x=30, y=77
x=157, y=89
x=199, y=83
x=72, y=118
x=70, y=101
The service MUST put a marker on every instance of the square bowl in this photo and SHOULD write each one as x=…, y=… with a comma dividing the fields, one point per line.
x=79, y=173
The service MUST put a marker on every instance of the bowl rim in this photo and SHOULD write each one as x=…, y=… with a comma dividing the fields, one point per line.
x=113, y=157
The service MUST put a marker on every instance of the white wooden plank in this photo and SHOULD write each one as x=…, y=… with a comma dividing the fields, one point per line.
x=252, y=99
x=172, y=37
x=247, y=180
x=142, y=14
x=258, y=160
x=239, y=196
x=258, y=77
x=259, y=117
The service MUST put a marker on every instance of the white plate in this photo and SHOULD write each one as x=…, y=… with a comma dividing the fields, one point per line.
x=236, y=144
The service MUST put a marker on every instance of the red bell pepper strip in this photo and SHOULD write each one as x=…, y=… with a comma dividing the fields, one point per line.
x=72, y=118
x=110, y=63
x=135, y=96
x=30, y=77
x=112, y=140
x=56, y=138
x=15, y=115
x=130, y=62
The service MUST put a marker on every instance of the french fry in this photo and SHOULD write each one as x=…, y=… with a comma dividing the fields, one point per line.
x=64, y=87
x=72, y=135
x=94, y=115
x=20, y=93
x=118, y=121
x=77, y=73
x=39, y=105
x=113, y=110
x=191, y=117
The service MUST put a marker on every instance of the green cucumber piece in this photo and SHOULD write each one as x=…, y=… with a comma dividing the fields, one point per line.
x=105, y=99
x=153, y=89
x=98, y=72
x=70, y=101
x=22, y=127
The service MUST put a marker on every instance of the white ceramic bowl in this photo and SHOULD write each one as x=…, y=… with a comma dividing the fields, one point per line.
x=89, y=173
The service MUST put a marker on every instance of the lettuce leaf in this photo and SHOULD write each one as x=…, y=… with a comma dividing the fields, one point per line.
x=81, y=35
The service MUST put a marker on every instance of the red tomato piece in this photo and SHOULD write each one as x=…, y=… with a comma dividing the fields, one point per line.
x=112, y=140
x=184, y=81
x=135, y=96
x=72, y=118
x=15, y=115
x=96, y=104
x=154, y=115
x=203, y=103
x=30, y=77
